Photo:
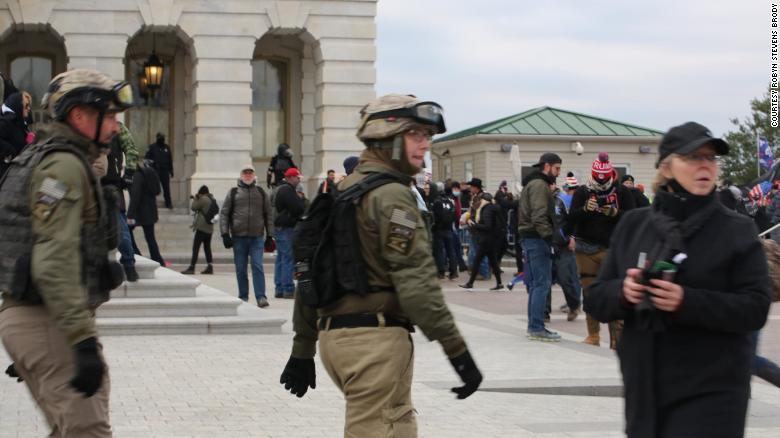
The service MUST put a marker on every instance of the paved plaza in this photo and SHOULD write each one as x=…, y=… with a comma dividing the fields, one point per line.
x=222, y=386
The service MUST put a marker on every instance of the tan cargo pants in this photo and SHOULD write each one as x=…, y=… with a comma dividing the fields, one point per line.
x=373, y=367
x=44, y=359
x=588, y=265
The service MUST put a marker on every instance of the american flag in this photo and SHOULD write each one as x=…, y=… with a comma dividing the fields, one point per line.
x=759, y=191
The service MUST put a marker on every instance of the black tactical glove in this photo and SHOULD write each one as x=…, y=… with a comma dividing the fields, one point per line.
x=227, y=241
x=11, y=371
x=469, y=373
x=298, y=376
x=127, y=178
x=89, y=367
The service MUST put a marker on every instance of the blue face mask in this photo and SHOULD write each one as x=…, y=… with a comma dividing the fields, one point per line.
x=456, y=194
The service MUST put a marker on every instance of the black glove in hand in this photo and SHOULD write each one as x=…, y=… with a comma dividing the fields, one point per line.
x=89, y=367
x=469, y=373
x=227, y=241
x=298, y=376
x=11, y=371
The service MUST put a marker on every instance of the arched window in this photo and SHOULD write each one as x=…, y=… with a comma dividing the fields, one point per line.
x=269, y=106
x=32, y=74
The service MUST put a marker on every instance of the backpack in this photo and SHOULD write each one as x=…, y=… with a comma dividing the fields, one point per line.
x=212, y=211
x=326, y=245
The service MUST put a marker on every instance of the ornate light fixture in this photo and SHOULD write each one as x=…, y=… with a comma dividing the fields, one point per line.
x=153, y=70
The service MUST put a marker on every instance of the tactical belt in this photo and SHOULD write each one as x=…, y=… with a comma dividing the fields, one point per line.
x=361, y=320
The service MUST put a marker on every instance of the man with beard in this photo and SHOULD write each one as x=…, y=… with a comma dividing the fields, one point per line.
x=535, y=228
x=595, y=210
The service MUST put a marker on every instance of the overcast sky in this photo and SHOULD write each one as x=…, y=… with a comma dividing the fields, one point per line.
x=654, y=64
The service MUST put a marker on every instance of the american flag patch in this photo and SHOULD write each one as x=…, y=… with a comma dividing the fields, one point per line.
x=403, y=218
x=53, y=188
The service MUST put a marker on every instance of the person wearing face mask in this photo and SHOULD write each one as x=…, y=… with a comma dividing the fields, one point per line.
x=280, y=163
x=245, y=226
x=364, y=340
x=689, y=279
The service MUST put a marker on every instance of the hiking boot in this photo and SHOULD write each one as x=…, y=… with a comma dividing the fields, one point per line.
x=262, y=302
x=453, y=276
x=189, y=271
x=499, y=286
x=130, y=274
x=544, y=336
x=592, y=340
x=208, y=271
x=466, y=285
x=572, y=315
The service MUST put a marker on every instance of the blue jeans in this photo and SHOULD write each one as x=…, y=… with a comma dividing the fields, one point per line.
x=763, y=367
x=444, y=252
x=483, y=270
x=127, y=256
x=243, y=249
x=568, y=278
x=283, y=270
x=539, y=263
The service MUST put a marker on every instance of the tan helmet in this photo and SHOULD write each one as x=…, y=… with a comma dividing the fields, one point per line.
x=85, y=87
x=394, y=114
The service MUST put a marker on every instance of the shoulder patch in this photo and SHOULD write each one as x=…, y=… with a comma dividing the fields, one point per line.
x=401, y=233
x=51, y=191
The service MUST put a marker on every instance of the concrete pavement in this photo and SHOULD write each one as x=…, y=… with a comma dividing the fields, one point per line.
x=227, y=386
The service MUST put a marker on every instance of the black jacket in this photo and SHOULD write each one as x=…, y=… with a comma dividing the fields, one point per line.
x=143, y=196
x=160, y=154
x=443, y=210
x=700, y=354
x=289, y=207
x=562, y=230
x=278, y=166
x=594, y=226
x=490, y=228
x=13, y=131
x=640, y=200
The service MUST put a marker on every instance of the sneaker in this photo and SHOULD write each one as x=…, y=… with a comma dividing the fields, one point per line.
x=208, y=271
x=544, y=336
x=189, y=271
x=498, y=287
x=130, y=274
x=572, y=315
x=510, y=286
x=466, y=285
x=453, y=276
x=262, y=302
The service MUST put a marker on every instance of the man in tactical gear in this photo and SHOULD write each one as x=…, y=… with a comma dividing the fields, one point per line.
x=364, y=340
x=60, y=243
x=280, y=163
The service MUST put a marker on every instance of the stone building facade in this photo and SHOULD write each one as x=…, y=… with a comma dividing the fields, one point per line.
x=239, y=76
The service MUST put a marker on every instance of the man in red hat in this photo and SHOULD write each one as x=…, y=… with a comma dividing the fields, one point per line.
x=289, y=207
x=595, y=210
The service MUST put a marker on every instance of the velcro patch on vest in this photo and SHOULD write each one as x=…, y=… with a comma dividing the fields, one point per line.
x=401, y=233
x=51, y=191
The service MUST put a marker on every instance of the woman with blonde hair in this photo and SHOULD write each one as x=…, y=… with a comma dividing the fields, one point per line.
x=689, y=278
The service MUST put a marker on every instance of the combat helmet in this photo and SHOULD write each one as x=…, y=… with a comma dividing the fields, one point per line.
x=384, y=119
x=85, y=87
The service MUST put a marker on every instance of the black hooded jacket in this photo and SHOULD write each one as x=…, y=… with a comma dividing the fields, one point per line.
x=160, y=154
x=13, y=130
x=594, y=226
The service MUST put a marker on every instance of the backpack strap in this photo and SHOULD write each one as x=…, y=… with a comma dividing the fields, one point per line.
x=372, y=181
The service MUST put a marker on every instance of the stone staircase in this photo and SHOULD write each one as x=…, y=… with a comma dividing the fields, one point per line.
x=164, y=302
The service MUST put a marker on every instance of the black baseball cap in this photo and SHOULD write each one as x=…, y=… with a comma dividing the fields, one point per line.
x=686, y=138
x=548, y=158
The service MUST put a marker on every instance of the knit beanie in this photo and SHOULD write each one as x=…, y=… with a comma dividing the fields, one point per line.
x=601, y=170
x=571, y=181
x=350, y=163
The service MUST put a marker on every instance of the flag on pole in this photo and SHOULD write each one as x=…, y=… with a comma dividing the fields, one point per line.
x=758, y=194
x=765, y=155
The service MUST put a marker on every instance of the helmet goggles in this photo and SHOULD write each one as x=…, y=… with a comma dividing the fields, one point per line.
x=426, y=113
x=117, y=99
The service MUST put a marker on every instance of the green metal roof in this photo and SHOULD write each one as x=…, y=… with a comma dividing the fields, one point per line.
x=553, y=121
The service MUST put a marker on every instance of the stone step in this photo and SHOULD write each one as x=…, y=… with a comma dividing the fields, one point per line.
x=207, y=302
x=167, y=284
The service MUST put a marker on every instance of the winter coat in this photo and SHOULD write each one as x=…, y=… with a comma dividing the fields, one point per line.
x=200, y=205
x=697, y=358
x=640, y=200
x=489, y=226
x=444, y=216
x=289, y=206
x=13, y=130
x=534, y=214
x=594, y=226
x=160, y=154
x=247, y=216
x=143, y=196
x=561, y=222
